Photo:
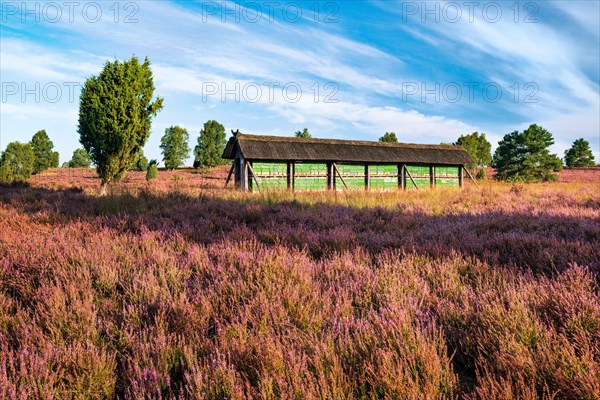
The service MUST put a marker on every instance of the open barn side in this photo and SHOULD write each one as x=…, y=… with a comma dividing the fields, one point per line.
x=266, y=163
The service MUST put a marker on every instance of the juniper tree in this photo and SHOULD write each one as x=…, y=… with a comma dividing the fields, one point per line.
x=115, y=116
x=152, y=170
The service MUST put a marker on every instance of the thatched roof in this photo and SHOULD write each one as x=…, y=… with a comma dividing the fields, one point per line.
x=254, y=147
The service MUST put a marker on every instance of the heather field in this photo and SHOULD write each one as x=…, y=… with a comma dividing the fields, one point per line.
x=178, y=288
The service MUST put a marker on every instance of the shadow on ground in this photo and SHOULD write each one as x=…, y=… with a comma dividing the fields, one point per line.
x=544, y=243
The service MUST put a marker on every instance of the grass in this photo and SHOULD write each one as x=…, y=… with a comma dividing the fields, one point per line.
x=180, y=288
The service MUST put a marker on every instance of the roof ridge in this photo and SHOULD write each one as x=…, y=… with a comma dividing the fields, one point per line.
x=245, y=136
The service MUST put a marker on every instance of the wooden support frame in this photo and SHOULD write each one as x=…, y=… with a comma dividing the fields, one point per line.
x=245, y=176
x=470, y=176
x=253, y=175
x=411, y=178
x=230, y=173
x=340, y=175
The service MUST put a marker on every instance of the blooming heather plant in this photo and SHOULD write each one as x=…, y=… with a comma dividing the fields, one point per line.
x=210, y=293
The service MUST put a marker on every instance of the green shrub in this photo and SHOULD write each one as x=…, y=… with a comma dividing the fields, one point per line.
x=142, y=163
x=152, y=171
x=5, y=173
x=481, y=175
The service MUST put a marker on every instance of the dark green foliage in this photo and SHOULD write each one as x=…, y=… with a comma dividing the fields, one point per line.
x=80, y=159
x=152, y=171
x=42, y=149
x=389, y=137
x=580, y=154
x=211, y=144
x=142, y=162
x=478, y=148
x=481, y=174
x=5, y=173
x=174, y=146
x=115, y=115
x=524, y=156
x=17, y=162
x=304, y=133
x=54, y=161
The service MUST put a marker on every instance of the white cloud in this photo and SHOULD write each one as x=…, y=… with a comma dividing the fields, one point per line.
x=188, y=50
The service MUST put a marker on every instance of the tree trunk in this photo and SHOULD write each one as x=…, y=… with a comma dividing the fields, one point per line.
x=103, y=187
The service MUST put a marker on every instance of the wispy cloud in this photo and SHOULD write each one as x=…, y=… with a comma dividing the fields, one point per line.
x=370, y=64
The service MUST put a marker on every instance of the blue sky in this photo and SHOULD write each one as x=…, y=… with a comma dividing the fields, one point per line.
x=429, y=71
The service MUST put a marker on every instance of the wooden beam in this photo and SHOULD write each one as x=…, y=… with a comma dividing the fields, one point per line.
x=470, y=176
x=340, y=175
x=230, y=173
x=411, y=178
x=367, y=176
x=254, y=176
x=460, y=176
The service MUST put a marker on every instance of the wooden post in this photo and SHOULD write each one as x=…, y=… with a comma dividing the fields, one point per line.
x=243, y=174
x=367, y=176
x=330, y=176
x=460, y=176
x=293, y=167
x=237, y=180
x=431, y=175
x=249, y=176
x=289, y=172
x=402, y=176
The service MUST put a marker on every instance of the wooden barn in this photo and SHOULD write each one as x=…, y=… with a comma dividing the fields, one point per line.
x=288, y=163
